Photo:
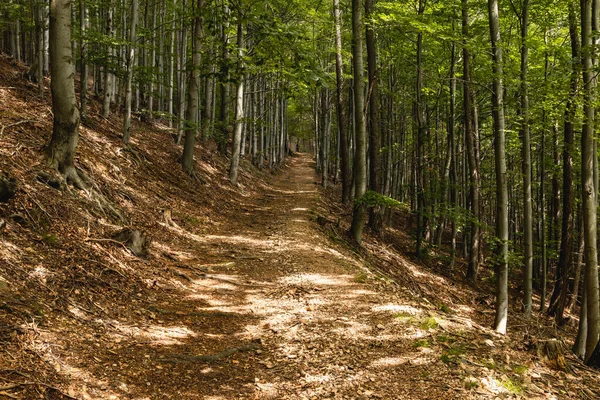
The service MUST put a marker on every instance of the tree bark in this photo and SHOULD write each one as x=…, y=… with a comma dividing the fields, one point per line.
x=523, y=113
x=588, y=186
x=500, y=167
x=239, y=110
x=83, y=26
x=559, y=294
x=470, y=140
x=375, y=182
x=342, y=118
x=191, y=118
x=65, y=133
x=130, y=65
x=108, y=79
x=360, y=159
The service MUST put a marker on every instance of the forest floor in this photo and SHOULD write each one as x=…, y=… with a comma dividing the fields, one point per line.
x=247, y=292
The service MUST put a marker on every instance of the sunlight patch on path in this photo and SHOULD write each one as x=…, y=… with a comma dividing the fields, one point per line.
x=158, y=335
x=318, y=279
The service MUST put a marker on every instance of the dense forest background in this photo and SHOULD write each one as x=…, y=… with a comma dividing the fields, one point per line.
x=473, y=120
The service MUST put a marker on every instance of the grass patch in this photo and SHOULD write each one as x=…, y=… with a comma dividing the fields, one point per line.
x=191, y=220
x=445, y=309
x=471, y=383
x=451, y=354
x=512, y=386
x=444, y=338
x=51, y=239
x=520, y=369
x=429, y=323
x=361, y=277
x=404, y=316
x=421, y=343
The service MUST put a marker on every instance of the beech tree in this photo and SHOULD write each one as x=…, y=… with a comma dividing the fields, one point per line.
x=360, y=158
x=500, y=170
x=65, y=132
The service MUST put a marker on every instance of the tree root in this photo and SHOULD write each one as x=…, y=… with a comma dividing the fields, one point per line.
x=182, y=358
x=80, y=181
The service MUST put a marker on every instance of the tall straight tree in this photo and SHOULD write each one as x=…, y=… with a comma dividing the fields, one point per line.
x=191, y=125
x=83, y=26
x=500, y=167
x=65, y=133
x=563, y=270
x=421, y=132
x=375, y=213
x=130, y=65
x=470, y=143
x=360, y=126
x=239, y=107
x=342, y=122
x=588, y=185
x=523, y=112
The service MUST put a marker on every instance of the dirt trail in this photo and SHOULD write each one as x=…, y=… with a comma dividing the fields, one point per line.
x=326, y=327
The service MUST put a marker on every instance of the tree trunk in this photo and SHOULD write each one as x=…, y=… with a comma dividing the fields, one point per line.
x=223, y=128
x=130, y=65
x=470, y=140
x=526, y=164
x=83, y=25
x=239, y=110
x=108, y=82
x=191, y=117
x=342, y=118
x=420, y=143
x=65, y=133
x=375, y=213
x=500, y=166
x=587, y=176
x=559, y=294
x=360, y=159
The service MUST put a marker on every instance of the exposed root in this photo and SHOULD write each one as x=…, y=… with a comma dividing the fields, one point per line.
x=80, y=181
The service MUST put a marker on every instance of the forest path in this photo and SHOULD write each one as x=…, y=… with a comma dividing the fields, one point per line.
x=326, y=327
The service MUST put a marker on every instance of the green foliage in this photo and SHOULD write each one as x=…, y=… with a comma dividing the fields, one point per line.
x=373, y=199
x=514, y=387
x=429, y=323
x=51, y=239
x=421, y=343
x=361, y=277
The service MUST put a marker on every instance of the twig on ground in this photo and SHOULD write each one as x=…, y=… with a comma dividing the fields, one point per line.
x=13, y=124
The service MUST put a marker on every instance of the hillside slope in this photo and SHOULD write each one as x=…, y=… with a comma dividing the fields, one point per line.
x=249, y=292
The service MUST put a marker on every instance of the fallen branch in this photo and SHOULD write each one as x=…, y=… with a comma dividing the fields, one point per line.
x=181, y=358
x=13, y=124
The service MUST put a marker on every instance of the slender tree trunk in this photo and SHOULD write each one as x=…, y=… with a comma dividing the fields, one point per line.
x=152, y=62
x=375, y=184
x=239, y=110
x=420, y=143
x=543, y=242
x=587, y=175
x=578, y=263
x=500, y=164
x=182, y=61
x=223, y=131
x=523, y=113
x=108, y=82
x=130, y=66
x=559, y=294
x=470, y=144
x=360, y=159
x=83, y=25
x=191, y=117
